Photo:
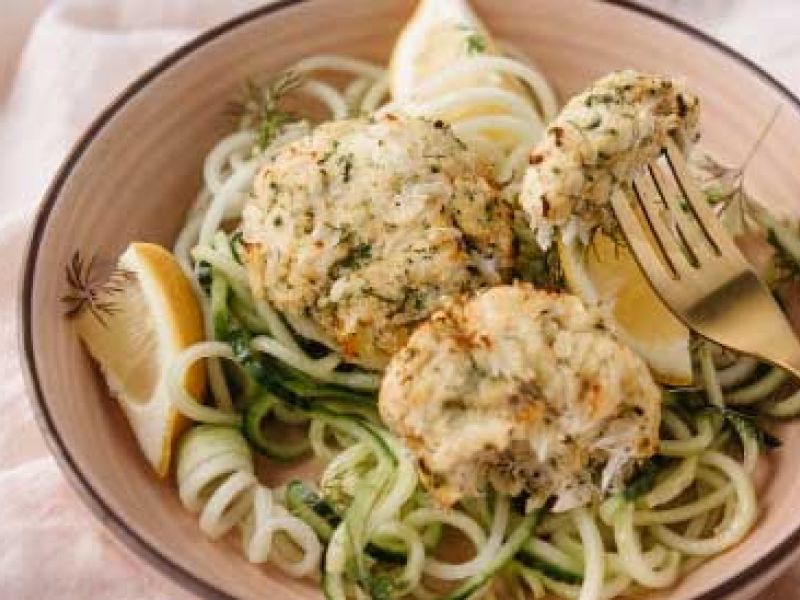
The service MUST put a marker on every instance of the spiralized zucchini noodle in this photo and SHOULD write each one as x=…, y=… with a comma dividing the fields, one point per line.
x=365, y=525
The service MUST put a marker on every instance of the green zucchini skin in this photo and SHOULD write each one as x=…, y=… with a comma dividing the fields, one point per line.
x=259, y=410
x=548, y=569
x=304, y=503
x=290, y=384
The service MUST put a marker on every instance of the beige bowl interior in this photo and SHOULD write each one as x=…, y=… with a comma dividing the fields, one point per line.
x=138, y=170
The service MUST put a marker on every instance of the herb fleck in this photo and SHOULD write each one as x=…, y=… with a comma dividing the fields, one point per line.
x=357, y=256
x=475, y=42
x=346, y=162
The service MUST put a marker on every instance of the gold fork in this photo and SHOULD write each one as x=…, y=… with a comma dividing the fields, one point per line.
x=695, y=267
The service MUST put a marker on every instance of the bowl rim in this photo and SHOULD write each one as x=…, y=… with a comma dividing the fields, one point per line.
x=115, y=522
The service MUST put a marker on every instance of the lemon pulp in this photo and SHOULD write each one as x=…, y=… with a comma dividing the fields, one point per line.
x=605, y=274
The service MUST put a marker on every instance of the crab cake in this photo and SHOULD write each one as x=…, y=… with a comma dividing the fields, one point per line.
x=525, y=390
x=597, y=142
x=356, y=232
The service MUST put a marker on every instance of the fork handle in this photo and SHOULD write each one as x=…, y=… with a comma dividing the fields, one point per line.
x=770, y=335
x=785, y=353
x=745, y=317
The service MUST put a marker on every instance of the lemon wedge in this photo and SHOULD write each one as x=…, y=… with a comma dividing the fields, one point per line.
x=153, y=316
x=604, y=273
x=446, y=66
x=439, y=34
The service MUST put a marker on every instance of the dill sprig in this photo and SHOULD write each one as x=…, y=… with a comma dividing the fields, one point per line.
x=260, y=107
x=725, y=189
x=728, y=191
x=745, y=424
x=609, y=228
x=89, y=290
x=785, y=266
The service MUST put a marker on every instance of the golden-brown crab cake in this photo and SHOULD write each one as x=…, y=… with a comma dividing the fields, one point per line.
x=525, y=390
x=597, y=142
x=357, y=231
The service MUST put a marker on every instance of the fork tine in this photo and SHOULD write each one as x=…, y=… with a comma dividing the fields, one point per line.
x=714, y=230
x=694, y=240
x=653, y=205
x=643, y=251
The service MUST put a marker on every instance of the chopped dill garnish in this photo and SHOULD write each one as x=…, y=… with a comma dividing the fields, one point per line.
x=474, y=41
x=237, y=246
x=360, y=253
x=476, y=44
x=347, y=167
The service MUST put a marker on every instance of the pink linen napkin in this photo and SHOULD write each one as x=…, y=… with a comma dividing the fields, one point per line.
x=60, y=63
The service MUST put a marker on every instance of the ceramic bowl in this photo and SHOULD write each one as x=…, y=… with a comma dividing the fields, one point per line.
x=135, y=171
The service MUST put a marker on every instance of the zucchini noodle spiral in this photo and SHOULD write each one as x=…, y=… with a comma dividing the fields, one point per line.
x=365, y=525
x=216, y=479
